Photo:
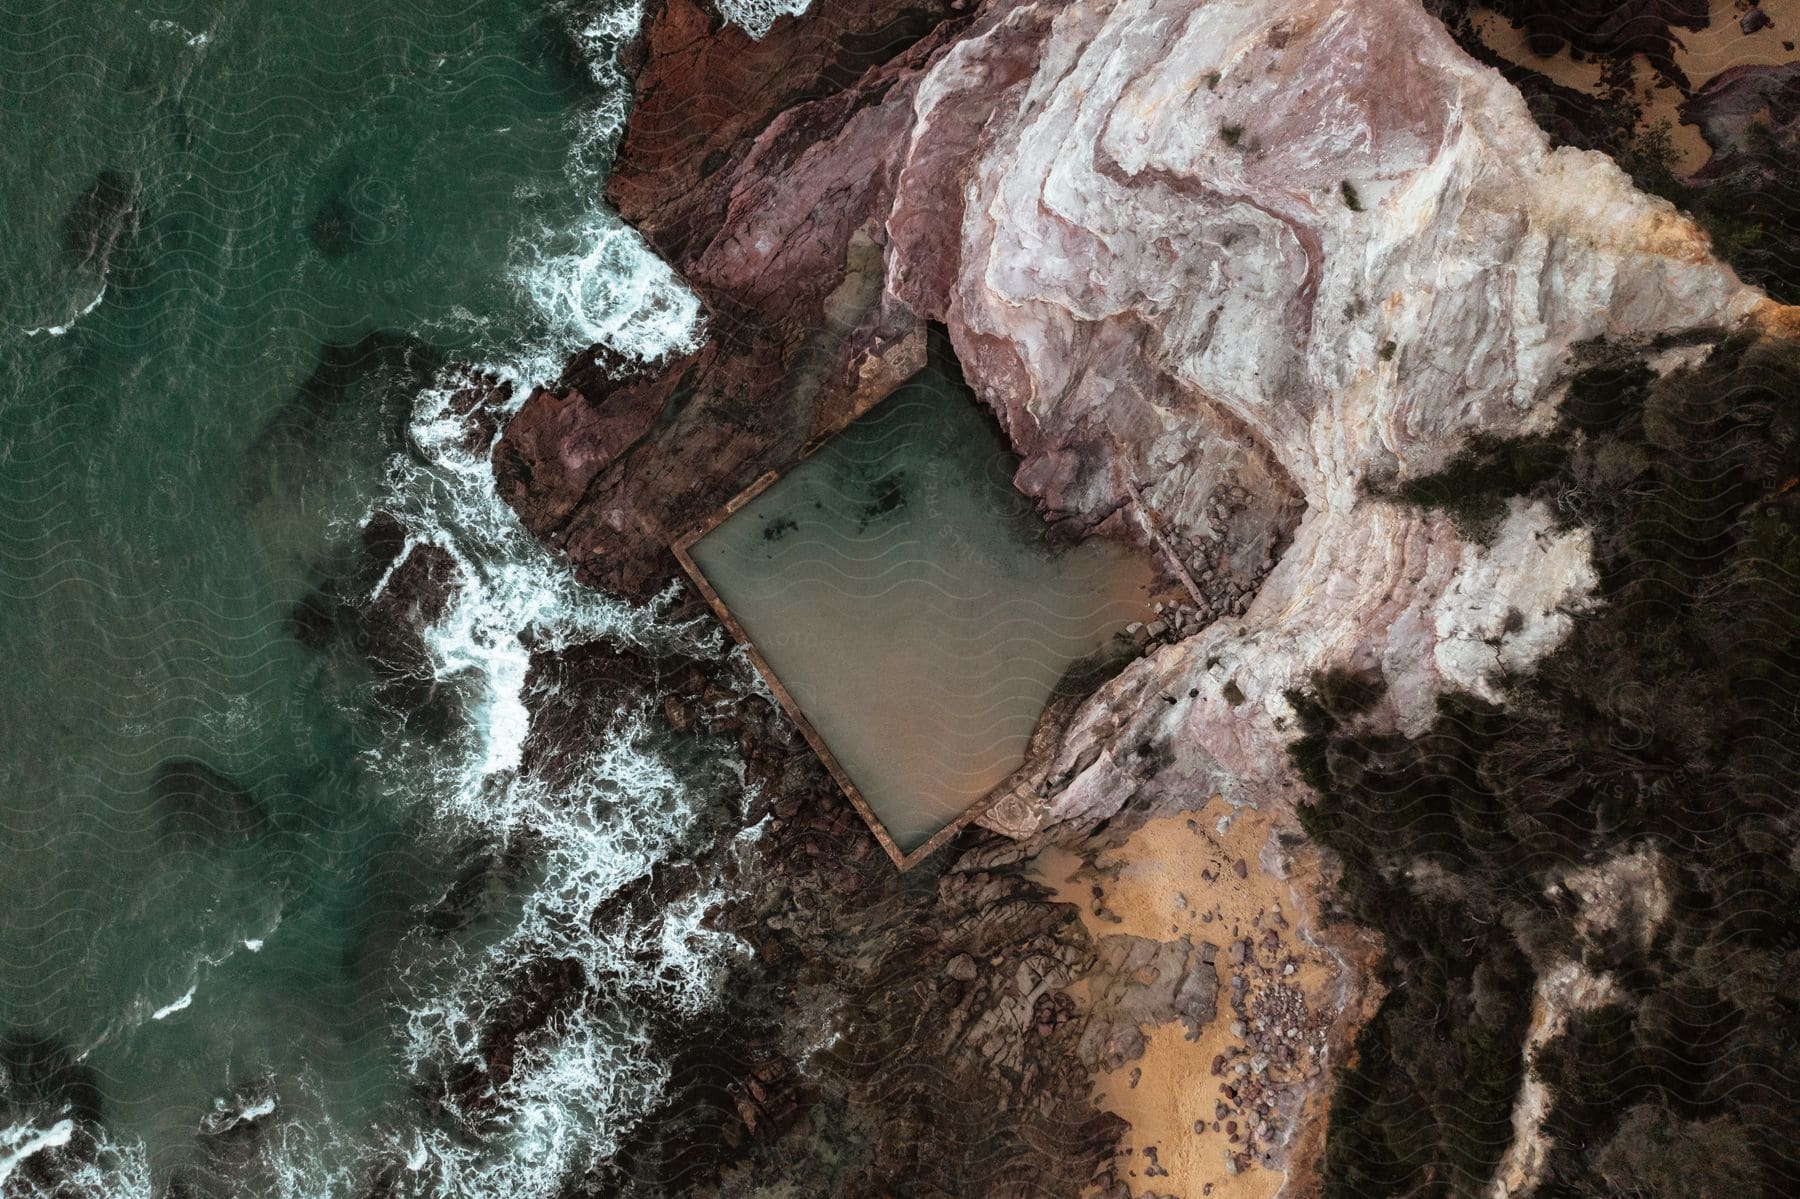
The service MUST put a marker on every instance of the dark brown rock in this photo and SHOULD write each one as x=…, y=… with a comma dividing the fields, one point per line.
x=1609, y=27
x=760, y=171
x=480, y=399
x=1739, y=105
x=703, y=90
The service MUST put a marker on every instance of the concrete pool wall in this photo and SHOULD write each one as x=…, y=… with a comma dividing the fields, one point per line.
x=910, y=610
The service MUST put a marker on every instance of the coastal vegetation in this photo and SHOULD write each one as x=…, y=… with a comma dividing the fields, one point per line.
x=1745, y=195
x=1473, y=487
x=1663, y=729
x=1746, y=210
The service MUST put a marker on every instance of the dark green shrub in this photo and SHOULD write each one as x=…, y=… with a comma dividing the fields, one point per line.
x=1666, y=719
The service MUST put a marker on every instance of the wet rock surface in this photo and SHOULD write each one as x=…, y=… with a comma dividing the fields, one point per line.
x=1204, y=324
x=376, y=609
x=760, y=171
x=39, y=1072
x=1190, y=339
x=883, y=1033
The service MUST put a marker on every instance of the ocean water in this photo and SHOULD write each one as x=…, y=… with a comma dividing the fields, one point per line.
x=241, y=241
x=915, y=606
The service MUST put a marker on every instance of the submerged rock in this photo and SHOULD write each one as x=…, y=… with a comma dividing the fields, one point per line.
x=198, y=805
x=230, y=1136
x=98, y=219
x=40, y=1076
x=393, y=589
x=381, y=368
x=1221, y=271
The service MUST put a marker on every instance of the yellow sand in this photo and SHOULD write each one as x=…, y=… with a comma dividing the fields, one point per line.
x=1161, y=862
x=1721, y=45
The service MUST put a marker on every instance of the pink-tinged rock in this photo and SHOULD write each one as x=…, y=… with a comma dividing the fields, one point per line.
x=704, y=89
x=558, y=442
x=1157, y=277
x=761, y=171
x=1136, y=220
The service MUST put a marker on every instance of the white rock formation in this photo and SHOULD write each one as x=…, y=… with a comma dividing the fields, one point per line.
x=1134, y=218
x=1568, y=990
x=1627, y=892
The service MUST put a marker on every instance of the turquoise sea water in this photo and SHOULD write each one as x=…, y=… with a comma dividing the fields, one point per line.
x=213, y=845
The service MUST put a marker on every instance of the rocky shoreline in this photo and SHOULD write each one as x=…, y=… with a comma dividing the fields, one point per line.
x=1226, y=279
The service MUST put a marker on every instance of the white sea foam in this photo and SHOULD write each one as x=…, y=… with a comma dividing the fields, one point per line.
x=555, y=1117
x=610, y=289
x=595, y=280
x=755, y=17
x=175, y=1005
x=59, y=330
x=110, y=1170
x=26, y=1140
x=575, y=1087
x=578, y=1084
x=257, y=1110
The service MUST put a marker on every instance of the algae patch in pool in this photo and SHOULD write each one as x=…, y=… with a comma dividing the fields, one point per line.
x=913, y=604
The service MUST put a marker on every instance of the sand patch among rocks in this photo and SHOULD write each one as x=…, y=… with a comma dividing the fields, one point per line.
x=1723, y=44
x=1217, y=1110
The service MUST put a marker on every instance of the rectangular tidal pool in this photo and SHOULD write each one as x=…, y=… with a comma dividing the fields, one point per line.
x=911, y=609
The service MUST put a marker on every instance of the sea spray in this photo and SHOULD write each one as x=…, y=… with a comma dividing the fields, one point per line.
x=65, y=1157
x=21, y=1141
x=755, y=17
x=576, y=1085
x=575, y=275
x=595, y=280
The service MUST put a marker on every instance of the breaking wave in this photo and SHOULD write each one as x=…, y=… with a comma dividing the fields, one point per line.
x=572, y=1093
x=98, y=1166
x=755, y=17
x=575, y=1089
x=576, y=1085
x=595, y=280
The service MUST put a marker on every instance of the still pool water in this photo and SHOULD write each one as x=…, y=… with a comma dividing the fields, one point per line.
x=914, y=604
x=240, y=238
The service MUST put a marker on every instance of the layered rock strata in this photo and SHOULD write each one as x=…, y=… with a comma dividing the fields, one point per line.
x=1320, y=227
x=1284, y=250
x=614, y=462
x=1225, y=272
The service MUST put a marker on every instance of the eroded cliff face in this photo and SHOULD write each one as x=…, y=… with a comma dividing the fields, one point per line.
x=1231, y=271
x=754, y=169
x=1300, y=250
x=1316, y=229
